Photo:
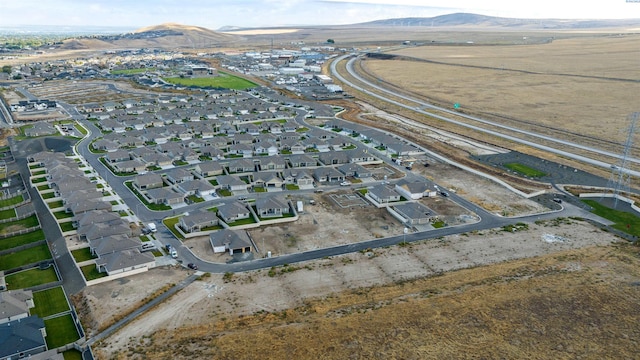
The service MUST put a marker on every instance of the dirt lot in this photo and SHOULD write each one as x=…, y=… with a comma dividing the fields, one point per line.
x=503, y=303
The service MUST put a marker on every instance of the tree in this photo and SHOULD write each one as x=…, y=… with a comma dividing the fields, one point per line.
x=331, y=41
x=6, y=69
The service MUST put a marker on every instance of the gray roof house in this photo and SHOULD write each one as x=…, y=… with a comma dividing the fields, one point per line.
x=231, y=182
x=383, y=194
x=230, y=240
x=178, y=175
x=233, y=211
x=148, y=181
x=165, y=196
x=198, y=220
x=327, y=174
x=269, y=207
x=208, y=169
x=414, y=213
x=22, y=338
x=100, y=230
x=297, y=176
x=113, y=243
x=413, y=189
x=267, y=179
x=123, y=261
x=355, y=170
x=196, y=187
x=15, y=304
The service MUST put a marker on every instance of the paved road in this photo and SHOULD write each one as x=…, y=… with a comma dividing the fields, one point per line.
x=73, y=280
x=508, y=129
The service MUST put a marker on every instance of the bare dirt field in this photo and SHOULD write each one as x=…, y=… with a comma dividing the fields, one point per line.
x=354, y=303
x=569, y=84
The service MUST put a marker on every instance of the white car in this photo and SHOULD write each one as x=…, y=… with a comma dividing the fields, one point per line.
x=345, y=183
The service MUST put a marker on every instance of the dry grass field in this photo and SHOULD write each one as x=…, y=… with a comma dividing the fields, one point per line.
x=585, y=85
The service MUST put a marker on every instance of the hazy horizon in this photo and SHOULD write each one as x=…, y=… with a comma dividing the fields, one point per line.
x=273, y=13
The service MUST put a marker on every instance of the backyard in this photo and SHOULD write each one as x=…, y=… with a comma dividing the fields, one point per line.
x=49, y=302
x=25, y=257
x=32, y=277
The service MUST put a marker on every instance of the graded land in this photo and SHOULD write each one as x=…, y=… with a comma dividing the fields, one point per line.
x=559, y=287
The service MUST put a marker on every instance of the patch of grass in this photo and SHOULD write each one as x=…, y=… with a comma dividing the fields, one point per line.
x=49, y=302
x=43, y=187
x=242, y=222
x=7, y=214
x=24, y=257
x=292, y=187
x=194, y=199
x=62, y=214
x=223, y=192
x=525, y=170
x=25, y=223
x=72, y=354
x=60, y=331
x=623, y=221
x=31, y=277
x=170, y=224
x=55, y=204
x=226, y=81
x=157, y=253
x=39, y=180
x=439, y=224
x=49, y=195
x=22, y=239
x=83, y=254
x=91, y=272
x=14, y=200
x=67, y=226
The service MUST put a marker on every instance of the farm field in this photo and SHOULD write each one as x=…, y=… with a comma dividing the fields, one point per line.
x=583, y=85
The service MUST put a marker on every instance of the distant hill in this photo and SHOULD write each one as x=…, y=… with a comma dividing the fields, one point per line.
x=168, y=35
x=475, y=20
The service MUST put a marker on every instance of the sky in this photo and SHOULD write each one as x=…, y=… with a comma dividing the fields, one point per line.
x=214, y=14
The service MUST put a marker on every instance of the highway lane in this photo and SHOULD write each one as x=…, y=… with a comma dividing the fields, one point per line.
x=512, y=130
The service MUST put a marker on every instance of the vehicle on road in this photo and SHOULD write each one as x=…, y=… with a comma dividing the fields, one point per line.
x=152, y=227
x=558, y=200
x=444, y=193
x=192, y=266
x=345, y=183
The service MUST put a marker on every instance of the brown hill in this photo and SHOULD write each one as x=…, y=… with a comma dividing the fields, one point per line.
x=168, y=35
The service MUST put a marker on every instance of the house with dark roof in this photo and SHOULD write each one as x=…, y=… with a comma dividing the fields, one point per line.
x=327, y=174
x=354, y=170
x=230, y=240
x=19, y=339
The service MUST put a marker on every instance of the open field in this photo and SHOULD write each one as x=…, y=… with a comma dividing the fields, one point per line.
x=583, y=85
x=313, y=302
x=225, y=80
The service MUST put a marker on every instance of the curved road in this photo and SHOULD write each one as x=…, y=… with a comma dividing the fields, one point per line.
x=510, y=129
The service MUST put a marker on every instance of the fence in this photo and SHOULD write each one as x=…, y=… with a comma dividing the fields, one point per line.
x=31, y=266
x=18, y=217
x=22, y=247
x=20, y=232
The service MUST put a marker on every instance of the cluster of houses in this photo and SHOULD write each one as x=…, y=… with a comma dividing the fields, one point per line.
x=109, y=236
x=22, y=335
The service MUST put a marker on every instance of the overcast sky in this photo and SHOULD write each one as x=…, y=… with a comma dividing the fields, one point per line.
x=214, y=14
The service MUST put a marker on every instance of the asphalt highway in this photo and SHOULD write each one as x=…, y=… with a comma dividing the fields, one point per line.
x=509, y=130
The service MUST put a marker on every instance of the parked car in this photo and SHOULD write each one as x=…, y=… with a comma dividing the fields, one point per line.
x=192, y=266
x=345, y=183
x=444, y=193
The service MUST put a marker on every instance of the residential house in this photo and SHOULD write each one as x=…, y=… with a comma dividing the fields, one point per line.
x=383, y=194
x=302, y=160
x=414, y=213
x=270, y=207
x=354, y=170
x=197, y=187
x=15, y=304
x=241, y=166
x=233, y=211
x=148, y=181
x=414, y=189
x=230, y=240
x=231, y=183
x=197, y=220
x=275, y=162
x=22, y=338
x=267, y=179
x=113, y=243
x=117, y=155
x=334, y=157
x=327, y=175
x=297, y=176
x=178, y=175
x=208, y=169
x=123, y=261
x=165, y=196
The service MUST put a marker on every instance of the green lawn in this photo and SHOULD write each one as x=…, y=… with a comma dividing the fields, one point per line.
x=12, y=201
x=24, y=257
x=525, y=170
x=60, y=331
x=62, y=214
x=43, y=187
x=49, y=302
x=72, y=354
x=7, y=214
x=31, y=277
x=90, y=272
x=83, y=254
x=225, y=80
x=55, y=204
x=67, y=226
x=170, y=224
x=49, y=195
x=624, y=221
x=23, y=239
